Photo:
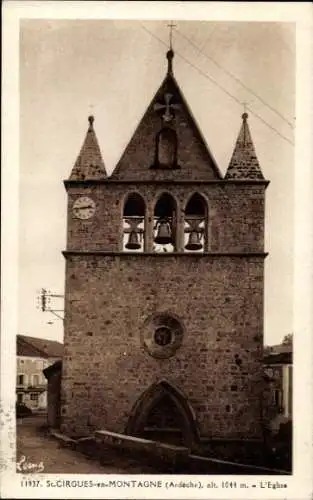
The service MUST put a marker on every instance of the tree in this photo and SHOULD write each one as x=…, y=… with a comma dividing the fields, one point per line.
x=288, y=339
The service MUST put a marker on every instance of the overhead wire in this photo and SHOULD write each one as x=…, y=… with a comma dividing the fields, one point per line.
x=234, y=77
x=219, y=86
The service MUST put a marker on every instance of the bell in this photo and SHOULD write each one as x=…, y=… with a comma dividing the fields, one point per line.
x=133, y=241
x=164, y=235
x=194, y=241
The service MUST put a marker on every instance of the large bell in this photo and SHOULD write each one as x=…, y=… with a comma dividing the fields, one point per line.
x=164, y=234
x=133, y=241
x=194, y=242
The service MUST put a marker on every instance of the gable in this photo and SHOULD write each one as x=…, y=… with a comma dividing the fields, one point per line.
x=194, y=160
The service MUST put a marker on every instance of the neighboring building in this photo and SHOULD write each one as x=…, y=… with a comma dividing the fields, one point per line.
x=279, y=348
x=278, y=372
x=164, y=284
x=33, y=356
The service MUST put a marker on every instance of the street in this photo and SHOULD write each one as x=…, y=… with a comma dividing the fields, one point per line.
x=36, y=448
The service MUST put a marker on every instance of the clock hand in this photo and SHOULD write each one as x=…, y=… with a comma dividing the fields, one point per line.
x=83, y=208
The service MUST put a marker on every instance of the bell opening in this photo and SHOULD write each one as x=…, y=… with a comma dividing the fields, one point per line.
x=195, y=224
x=165, y=224
x=134, y=223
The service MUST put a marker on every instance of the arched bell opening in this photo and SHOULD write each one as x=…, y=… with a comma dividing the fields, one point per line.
x=164, y=227
x=134, y=223
x=164, y=414
x=196, y=224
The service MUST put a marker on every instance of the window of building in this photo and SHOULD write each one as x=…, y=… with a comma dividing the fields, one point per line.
x=134, y=223
x=162, y=335
x=39, y=364
x=164, y=228
x=195, y=226
x=34, y=396
x=35, y=380
x=20, y=379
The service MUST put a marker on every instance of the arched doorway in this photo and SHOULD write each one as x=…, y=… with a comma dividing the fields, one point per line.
x=163, y=414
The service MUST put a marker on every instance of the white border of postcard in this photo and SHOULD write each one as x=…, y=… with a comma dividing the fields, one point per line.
x=299, y=485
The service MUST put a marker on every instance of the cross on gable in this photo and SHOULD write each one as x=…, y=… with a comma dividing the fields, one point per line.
x=171, y=26
x=168, y=106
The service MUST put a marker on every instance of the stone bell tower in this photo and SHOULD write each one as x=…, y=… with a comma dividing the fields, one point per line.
x=164, y=284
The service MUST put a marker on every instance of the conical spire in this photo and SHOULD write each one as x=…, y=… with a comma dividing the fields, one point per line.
x=89, y=164
x=244, y=163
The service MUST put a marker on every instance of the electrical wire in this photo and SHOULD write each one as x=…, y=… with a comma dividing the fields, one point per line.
x=234, y=77
x=218, y=85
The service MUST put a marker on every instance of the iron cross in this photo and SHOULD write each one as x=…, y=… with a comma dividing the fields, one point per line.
x=171, y=26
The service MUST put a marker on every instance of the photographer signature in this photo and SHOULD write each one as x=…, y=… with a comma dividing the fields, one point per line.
x=23, y=465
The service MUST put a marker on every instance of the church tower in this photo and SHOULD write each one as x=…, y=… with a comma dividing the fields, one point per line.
x=164, y=284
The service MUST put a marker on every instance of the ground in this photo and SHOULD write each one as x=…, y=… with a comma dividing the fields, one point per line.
x=37, y=446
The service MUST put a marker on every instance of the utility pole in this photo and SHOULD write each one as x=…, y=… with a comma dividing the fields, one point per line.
x=45, y=300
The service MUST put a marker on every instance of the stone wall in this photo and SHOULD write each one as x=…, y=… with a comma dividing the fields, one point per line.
x=235, y=214
x=106, y=368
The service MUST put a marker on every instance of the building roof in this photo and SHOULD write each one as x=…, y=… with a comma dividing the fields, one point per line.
x=89, y=164
x=276, y=349
x=244, y=163
x=282, y=358
x=37, y=347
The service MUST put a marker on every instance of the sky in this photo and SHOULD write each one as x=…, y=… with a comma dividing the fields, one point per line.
x=70, y=69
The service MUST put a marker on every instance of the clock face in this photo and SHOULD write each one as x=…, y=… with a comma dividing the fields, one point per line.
x=84, y=208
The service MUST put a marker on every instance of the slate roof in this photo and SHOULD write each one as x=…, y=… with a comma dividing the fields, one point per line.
x=37, y=347
x=89, y=164
x=244, y=163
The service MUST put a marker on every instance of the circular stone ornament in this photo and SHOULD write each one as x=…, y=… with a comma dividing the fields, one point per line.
x=162, y=335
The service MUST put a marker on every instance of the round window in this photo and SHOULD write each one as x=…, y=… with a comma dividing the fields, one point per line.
x=162, y=335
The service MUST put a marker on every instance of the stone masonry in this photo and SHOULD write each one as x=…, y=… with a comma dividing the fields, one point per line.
x=217, y=295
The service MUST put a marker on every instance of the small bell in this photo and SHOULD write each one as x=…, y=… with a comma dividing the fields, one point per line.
x=194, y=242
x=164, y=235
x=133, y=241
